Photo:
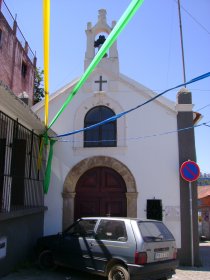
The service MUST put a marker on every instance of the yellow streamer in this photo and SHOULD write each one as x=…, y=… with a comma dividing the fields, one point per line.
x=46, y=39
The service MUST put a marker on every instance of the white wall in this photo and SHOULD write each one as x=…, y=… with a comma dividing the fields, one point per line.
x=153, y=161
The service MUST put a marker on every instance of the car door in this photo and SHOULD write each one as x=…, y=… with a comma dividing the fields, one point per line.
x=68, y=252
x=74, y=248
x=111, y=241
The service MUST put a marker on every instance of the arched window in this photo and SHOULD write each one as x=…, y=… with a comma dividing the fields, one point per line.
x=101, y=136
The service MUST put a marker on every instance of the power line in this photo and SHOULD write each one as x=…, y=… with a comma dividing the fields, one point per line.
x=199, y=89
x=115, y=117
x=138, y=137
x=189, y=14
x=182, y=44
x=203, y=107
x=207, y=125
x=195, y=89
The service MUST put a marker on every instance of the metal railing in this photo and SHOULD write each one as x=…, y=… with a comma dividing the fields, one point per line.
x=12, y=23
x=21, y=184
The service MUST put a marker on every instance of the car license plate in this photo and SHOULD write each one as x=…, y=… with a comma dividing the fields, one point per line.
x=161, y=255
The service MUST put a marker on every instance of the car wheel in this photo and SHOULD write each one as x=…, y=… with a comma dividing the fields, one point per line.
x=46, y=260
x=118, y=272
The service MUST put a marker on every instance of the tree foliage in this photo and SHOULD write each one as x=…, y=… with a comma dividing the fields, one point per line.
x=38, y=85
x=204, y=179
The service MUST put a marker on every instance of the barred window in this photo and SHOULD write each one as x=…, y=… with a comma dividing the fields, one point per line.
x=21, y=183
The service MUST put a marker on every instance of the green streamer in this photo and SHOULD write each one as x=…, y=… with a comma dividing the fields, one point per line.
x=48, y=169
x=123, y=21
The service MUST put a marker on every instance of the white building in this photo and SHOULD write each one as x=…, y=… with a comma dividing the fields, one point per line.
x=135, y=174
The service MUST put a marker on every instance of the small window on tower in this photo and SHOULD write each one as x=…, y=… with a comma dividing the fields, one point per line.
x=99, y=42
x=24, y=69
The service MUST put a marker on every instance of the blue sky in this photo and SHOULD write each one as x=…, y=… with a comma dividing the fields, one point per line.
x=149, y=47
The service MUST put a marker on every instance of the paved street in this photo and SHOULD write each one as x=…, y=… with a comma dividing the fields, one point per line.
x=183, y=273
x=198, y=273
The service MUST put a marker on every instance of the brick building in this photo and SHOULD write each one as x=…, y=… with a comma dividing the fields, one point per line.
x=204, y=211
x=17, y=60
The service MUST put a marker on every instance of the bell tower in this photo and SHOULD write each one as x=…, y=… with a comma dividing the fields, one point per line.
x=96, y=36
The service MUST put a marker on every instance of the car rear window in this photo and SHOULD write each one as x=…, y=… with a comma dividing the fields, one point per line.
x=152, y=231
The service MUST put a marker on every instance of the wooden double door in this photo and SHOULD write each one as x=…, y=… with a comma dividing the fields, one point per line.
x=100, y=191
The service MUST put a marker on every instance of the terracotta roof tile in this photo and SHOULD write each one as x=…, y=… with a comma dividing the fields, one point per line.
x=203, y=191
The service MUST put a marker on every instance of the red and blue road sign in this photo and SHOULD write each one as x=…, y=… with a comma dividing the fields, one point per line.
x=190, y=171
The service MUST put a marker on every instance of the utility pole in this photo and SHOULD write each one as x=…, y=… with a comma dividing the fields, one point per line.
x=181, y=38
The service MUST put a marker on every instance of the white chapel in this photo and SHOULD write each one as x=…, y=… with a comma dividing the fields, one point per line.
x=129, y=167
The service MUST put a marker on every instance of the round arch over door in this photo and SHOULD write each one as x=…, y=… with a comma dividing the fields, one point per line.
x=100, y=191
x=72, y=178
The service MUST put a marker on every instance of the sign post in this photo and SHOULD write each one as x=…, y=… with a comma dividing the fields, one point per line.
x=190, y=172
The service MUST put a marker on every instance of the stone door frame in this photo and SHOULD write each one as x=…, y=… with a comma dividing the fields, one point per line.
x=86, y=164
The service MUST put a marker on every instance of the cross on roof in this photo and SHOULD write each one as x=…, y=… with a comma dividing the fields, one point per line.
x=100, y=83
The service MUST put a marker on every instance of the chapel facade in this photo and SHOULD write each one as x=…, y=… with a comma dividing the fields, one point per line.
x=123, y=168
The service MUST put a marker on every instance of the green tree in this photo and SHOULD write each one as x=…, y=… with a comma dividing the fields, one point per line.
x=38, y=85
x=204, y=179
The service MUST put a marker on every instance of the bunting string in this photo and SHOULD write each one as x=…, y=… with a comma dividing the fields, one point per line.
x=117, y=116
x=137, y=137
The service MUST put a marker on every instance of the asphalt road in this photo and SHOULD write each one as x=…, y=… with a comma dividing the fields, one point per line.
x=182, y=273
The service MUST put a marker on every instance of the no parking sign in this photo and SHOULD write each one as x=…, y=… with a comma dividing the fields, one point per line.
x=190, y=171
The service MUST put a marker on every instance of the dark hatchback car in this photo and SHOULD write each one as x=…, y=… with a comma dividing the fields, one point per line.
x=118, y=248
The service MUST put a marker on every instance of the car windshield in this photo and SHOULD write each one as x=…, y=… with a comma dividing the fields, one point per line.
x=154, y=231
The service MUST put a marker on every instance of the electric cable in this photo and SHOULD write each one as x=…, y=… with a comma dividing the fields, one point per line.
x=203, y=107
x=189, y=14
x=138, y=137
x=117, y=116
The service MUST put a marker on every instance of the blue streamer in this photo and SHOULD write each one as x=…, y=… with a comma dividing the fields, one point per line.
x=111, y=119
x=138, y=137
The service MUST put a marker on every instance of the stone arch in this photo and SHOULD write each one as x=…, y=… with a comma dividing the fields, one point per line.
x=86, y=164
